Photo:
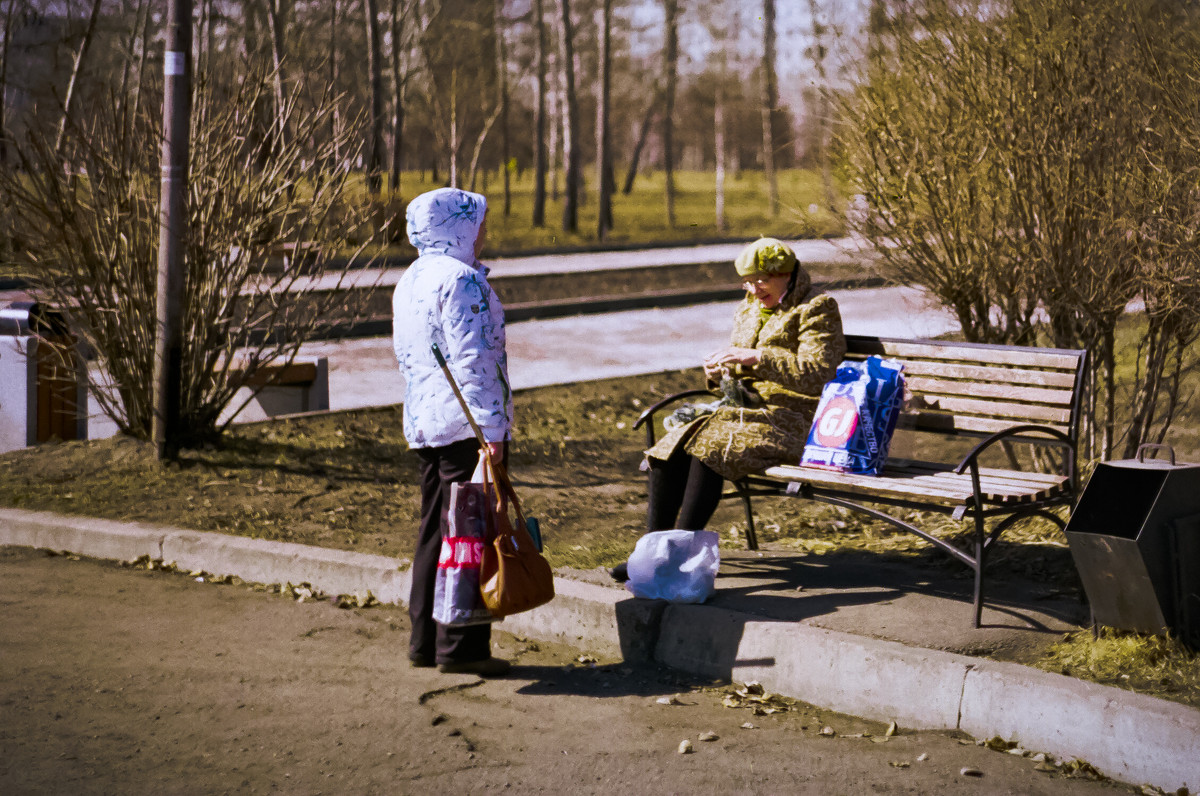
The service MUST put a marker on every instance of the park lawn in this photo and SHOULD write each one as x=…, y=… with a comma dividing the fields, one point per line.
x=641, y=217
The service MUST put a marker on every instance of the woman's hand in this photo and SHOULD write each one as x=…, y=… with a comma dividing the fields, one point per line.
x=729, y=357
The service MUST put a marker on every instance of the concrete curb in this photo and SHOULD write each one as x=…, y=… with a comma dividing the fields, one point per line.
x=1129, y=737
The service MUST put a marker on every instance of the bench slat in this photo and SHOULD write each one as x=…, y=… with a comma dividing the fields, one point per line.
x=1035, y=378
x=1014, y=412
x=996, y=355
x=989, y=389
x=945, y=489
x=1029, y=479
x=941, y=423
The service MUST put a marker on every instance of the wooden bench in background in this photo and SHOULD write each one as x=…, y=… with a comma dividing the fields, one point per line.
x=989, y=395
x=299, y=386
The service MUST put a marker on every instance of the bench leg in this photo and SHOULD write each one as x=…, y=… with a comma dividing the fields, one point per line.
x=980, y=552
x=743, y=491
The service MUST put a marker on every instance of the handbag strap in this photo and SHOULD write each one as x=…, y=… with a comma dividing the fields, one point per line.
x=441, y=360
x=504, y=489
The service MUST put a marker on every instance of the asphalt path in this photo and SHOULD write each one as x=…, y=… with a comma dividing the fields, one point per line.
x=116, y=680
x=836, y=250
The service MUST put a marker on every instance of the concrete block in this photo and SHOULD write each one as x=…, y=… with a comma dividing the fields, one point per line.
x=18, y=395
x=1130, y=737
x=267, y=561
x=874, y=679
x=583, y=615
x=123, y=541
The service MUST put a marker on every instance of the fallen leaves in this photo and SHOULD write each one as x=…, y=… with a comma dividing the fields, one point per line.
x=754, y=697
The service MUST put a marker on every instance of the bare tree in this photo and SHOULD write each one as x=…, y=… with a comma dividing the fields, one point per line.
x=770, y=101
x=399, y=85
x=76, y=70
x=670, y=79
x=4, y=43
x=539, y=119
x=502, y=102
x=604, y=177
x=277, y=23
x=643, y=133
x=375, y=99
x=819, y=51
x=720, y=32
x=571, y=155
x=90, y=240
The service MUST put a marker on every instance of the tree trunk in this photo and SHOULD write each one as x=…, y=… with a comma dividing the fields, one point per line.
x=335, y=118
x=719, y=150
x=502, y=86
x=8, y=18
x=554, y=146
x=375, y=119
x=473, y=171
x=670, y=79
x=570, y=218
x=398, y=85
x=604, y=213
x=643, y=132
x=539, y=122
x=770, y=99
x=76, y=70
x=823, y=107
x=276, y=25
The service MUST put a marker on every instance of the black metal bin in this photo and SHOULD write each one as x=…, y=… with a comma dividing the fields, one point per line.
x=1135, y=539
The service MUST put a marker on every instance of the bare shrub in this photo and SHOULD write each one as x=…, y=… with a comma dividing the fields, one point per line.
x=91, y=235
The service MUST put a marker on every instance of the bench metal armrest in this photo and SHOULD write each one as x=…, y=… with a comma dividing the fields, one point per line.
x=971, y=460
x=649, y=413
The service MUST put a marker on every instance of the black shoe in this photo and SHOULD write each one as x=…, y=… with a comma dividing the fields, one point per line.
x=620, y=573
x=420, y=661
x=488, y=667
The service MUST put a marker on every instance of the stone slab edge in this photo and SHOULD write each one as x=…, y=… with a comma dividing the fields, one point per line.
x=1130, y=737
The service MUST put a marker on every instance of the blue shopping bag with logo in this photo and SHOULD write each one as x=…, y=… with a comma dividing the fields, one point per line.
x=853, y=425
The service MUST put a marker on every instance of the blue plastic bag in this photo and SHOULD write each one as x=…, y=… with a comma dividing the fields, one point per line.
x=680, y=566
x=853, y=425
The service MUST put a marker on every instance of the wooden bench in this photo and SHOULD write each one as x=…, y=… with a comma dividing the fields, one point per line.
x=299, y=386
x=990, y=395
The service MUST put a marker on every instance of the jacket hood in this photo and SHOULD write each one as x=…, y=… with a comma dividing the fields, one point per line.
x=446, y=221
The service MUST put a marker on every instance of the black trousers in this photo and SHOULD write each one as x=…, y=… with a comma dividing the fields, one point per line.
x=441, y=467
x=684, y=493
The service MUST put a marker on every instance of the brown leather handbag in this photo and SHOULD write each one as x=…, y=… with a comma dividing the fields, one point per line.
x=513, y=575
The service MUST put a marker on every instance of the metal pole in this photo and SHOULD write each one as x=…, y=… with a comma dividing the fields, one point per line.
x=168, y=327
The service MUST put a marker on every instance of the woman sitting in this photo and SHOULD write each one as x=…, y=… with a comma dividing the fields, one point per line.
x=786, y=344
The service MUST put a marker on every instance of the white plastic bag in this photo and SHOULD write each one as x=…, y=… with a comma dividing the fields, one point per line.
x=680, y=566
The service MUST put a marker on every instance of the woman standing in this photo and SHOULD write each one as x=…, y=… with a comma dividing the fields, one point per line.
x=444, y=298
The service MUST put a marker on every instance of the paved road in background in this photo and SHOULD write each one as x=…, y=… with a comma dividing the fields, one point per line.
x=836, y=250
x=363, y=373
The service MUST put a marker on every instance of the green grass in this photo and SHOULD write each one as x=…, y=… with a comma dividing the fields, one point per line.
x=641, y=217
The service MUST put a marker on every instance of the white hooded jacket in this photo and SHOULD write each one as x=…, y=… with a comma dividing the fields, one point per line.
x=444, y=298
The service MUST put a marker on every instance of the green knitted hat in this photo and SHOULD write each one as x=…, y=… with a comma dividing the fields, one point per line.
x=766, y=256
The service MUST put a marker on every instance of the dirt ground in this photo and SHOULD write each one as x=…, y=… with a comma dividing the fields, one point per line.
x=120, y=680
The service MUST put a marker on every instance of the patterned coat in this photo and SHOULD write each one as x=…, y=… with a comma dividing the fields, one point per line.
x=800, y=344
x=444, y=298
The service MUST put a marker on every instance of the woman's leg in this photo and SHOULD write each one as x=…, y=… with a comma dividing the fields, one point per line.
x=667, y=482
x=701, y=496
x=440, y=468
